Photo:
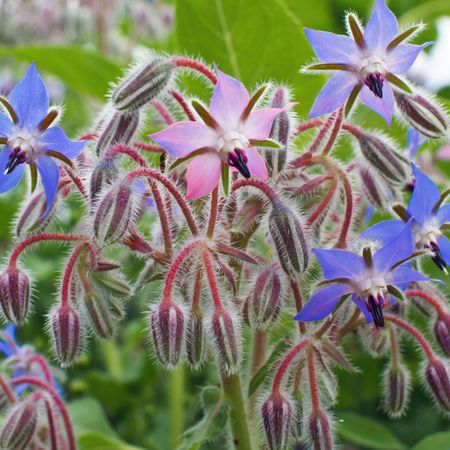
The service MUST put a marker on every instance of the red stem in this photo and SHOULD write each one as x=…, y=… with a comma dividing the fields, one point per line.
x=6, y=389
x=148, y=147
x=52, y=427
x=323, y=204
x=254, y=182
x=315, y=403
x=121, y=149
x=298, y=303
x=195, y=65
x=183, y=103
x=322, y=133
x=163, y=112
x=334, y=132
x=342, y=241
x=435, y=303
x=44, y=366
x=67, y=278
x=212, y=280
x=213, y=212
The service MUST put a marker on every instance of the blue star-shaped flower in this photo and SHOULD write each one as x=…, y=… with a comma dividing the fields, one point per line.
x=29, y=138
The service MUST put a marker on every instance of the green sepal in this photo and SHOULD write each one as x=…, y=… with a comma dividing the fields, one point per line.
x=269, y=143
x=226, y=178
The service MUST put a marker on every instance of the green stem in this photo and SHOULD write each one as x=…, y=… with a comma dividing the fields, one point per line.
x=112, y=358
x=231, y=385
x=176, y=389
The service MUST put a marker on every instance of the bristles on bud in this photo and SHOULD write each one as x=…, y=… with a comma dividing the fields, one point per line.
x=436, y=376
x=276, y=413
x=441, y=331
x=396, y=390
x=195, y=339
x=14, y=295
x=319, y=427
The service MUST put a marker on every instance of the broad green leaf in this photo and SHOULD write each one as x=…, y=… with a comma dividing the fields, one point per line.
x=96, y=441
x=434, y=441
x=366, y=432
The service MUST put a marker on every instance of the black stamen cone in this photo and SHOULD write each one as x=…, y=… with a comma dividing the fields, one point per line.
x=375, y=83
x=237, y=159
x=17, y=157
x=437, y=257
x=375, y=308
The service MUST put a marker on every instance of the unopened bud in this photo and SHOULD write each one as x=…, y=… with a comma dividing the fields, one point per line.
x=167, y=326
x=101, y=319
x=195, y=339
x=14, y=295
x=67, y=334
x=276, y=414
x=113, y=284
x=290, y=239
x=226, y=339
x=441, y=330
x=104, y=173
x=376, y=340
x=396, y=390
x=437, y=379
x=143, y=83
x=320, y=430
x=372, y=188
x=423, y=114
x=114, y=214
x=20, y=425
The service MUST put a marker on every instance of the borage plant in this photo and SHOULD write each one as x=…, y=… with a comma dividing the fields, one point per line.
x=245, y=211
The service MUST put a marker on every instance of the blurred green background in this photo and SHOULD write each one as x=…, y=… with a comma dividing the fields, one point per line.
x=120, y=399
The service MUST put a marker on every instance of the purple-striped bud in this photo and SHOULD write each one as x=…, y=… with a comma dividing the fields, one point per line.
x=119, y=129
x=167, y=327
x=437, y=379
x=100, y=317
x=195, y=339
x=14, y=295
x=143, y=82
x=262, y=307
x=105, y=173
x=67, y=334
x=372, y=188
x=423, y=114
x=114, y=214
x=226, y=339
x=320, y=430
x=396, y=390
x=441, y=331
x=20, y=425
x=289, y=239
x=276, y=413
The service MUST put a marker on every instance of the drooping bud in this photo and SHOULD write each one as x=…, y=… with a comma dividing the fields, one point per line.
x=376, y=340
x=195, y=339
x=142, y=83
x=104, y=173
x=290, y=239
x=437, y=379
x=422, y=113
x=372, y=188
x=320, y=430
x=20, y=425
x=114, y=285
x=441, y=330
x=276, y=413
x=167, y=327
x=114, y=214
x=396, y=390
x=119, y=129
x=381, y=156
x=225, y=333
x=67, y=333
x=101, y=319
x=14, y=295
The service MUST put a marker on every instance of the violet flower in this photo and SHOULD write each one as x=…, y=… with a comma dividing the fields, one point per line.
x=29, y=138
x=228, y=136
x=369, y=280
x=367, y=63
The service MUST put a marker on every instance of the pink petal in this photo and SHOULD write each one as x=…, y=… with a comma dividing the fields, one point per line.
x=259, y=123
x=443, y=153
x=228, y=101
x=182, y=138
x=203, y=174
x=256, y=163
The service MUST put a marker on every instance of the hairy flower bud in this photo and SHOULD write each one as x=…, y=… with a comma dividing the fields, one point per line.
x=226, y=340
x=320, y=430
x=384, y=159
x=98, y=311
x=119, y=129
x=376, y=341
x=195, y=339
x=423, y=114
x=396, y=390
x=372, y=188
x=67, y=333
x=441, y=331
x=14, y=295
x=20, y=425
x=290, y=240
x=104, y=173
x=167, y=327
x=276, y=413
x=437, y=379
x=143, y=83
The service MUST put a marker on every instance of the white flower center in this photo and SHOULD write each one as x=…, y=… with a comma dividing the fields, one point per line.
x=23, y=139
x=231, y=140
x=373, y=63
x=372, y=283
x=426, y=234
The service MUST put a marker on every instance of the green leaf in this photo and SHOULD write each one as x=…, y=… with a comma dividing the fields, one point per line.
x=434, y=441
x=366, y=432
x=83, y=70
x=96, y=441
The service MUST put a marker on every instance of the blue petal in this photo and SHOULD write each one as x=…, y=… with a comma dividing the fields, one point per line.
x=30, y=99
x=49, y=172
x=424, y=197
x=404, y=275
x=11, y=331
x=444, y=249
x=339, y=263
x=331, y=47
x=382, y=106
x=381, y=28
x=6, y=349
x=443, y=214
x=361, y=304
x=401, y=58
x=401, y=247
x=383, y=231
x=10, y=181
x=55, y=139
x=414, y=141
x=370, y=211
x=323, y=302
x=6, y=126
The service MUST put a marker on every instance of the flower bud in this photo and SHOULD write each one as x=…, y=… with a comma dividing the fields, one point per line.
x=320, y=431
x=289, y=239
x=226, y=340
x=119, y=129
x=14, y=295
x=195, y=339
x=20, y=425
x=396, y=390
x=143, y=83
x=114, y=285
x=376, y=340
x=372, y=188
x=167, y=332
x=114, y=214
x=441, y=331
x=276, y=414
x=105, y=173
x=422, y=114
x=101, y=319
x=437, y=379
x=67, y=334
